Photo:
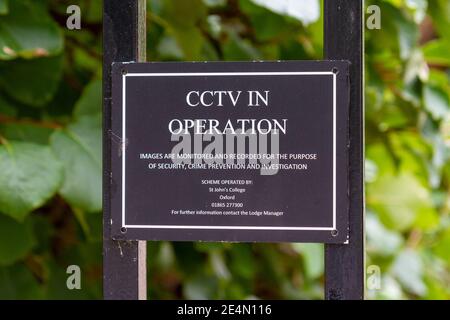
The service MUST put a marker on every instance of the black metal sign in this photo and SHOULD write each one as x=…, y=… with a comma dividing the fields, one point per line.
x=241, y=151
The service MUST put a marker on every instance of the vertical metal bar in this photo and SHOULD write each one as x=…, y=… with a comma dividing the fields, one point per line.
x=343, y=40
x=124, y=262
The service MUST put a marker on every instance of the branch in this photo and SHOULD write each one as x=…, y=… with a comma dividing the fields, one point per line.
x=41, y=124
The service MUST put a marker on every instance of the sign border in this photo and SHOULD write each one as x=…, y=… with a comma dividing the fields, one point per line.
x=336, y=234
x=235, y=74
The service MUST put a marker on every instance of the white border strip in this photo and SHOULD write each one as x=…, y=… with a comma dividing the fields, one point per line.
x=334, y=151
x=200, y=74
x=223, y=227
x=197, y=74
x=124, y=82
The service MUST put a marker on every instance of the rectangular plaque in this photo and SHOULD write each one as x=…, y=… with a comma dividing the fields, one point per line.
x=230, y=151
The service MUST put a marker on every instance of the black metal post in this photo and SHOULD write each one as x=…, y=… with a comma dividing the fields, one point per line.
x=343, y=39
x=124, y=264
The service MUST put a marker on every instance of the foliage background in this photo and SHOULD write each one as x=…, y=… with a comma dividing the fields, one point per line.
x=50, y=148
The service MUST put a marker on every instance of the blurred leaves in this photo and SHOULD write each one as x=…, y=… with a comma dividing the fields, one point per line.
x=26, y=184
x=78, y=147
x=16, y=240
x=408, y=190
x=436, y=52
x=381, y=240
x=18, y=283
x=436, y=101
x=313, y=258
x=50, y=148
x=408, y=268
x=4, y=7
x=306, y=11
x=27, y=31
x=399, y=200
x=32, y=82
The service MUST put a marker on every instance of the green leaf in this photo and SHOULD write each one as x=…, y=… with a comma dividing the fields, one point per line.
x=190, y=40
x=418, y=9
x=32, y=82
x=209, y=246
x=242, y=263
x=306, y=11
x=44, y=233
x=267, y=24
x=441, y=247
x=408, y=269
x=182, y=24
x=399, y=200
x=436, y=101
x=28, y=31
x=215, y=3
x=218, y=265
x=380, y=239
x=19, y=283
x=237, y=48
x=169, y=49
x=79, y=148
x=6, y=107
x=427, y=220
x=436, y=289
x=313, y=258
x=399, y=32
x=437, y=52
x=416, y=67
x=165, y=257
x=30, y=176
x=440, y=13
x=187, y=257
x=181, y=13
x=200, y=287
x=390, y=290
x=90, y=103
x=16, y=239
x=92, y=11
x=408, y=35
x=4, y=7
x=26, y=132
